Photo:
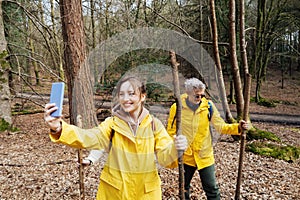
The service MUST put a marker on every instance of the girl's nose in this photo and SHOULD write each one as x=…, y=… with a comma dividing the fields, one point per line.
x=126, y=97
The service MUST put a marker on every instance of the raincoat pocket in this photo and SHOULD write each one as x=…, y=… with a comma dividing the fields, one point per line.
x=206, y=152
x=117, y=184
x=188, y=151
x=151, y=186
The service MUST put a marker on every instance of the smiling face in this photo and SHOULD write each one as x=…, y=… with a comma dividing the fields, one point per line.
x=131, y=99
x=196, y=95
x=195, y=90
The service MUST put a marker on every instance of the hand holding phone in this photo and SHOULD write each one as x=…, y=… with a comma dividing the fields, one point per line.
x=57, y=97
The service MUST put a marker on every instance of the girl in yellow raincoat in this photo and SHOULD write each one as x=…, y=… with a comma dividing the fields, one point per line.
x=138, y=140
x=195, y=126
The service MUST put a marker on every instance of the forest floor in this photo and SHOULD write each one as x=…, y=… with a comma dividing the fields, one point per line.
x=32, y=167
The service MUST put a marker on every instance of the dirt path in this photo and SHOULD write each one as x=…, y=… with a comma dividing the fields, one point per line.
x=274, y=118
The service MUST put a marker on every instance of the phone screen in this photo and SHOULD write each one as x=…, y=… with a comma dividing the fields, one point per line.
x=57, y=97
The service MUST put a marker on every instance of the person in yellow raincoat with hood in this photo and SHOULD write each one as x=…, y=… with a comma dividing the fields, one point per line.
x=138, y=140
x=195, y=126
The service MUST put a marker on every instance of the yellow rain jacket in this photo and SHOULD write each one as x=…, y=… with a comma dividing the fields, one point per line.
x=130, y=171
x=195, y=126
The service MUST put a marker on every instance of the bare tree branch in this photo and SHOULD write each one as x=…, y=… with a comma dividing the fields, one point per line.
x=185, y=32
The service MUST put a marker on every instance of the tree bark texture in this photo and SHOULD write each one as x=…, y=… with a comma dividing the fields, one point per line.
x=5, y=110
x=221, y=83
x=59, y=60
x=175, y=65
x=247, y=90
x=234, y=61
x=243, y=136
x=80, y=92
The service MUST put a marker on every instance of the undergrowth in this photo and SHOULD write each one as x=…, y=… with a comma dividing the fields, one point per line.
x=263, y=146
x=5, y=126
x=283, y=152
x=257, y=134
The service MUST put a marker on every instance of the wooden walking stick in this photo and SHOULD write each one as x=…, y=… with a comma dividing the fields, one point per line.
x=81, y=172
x=243, y=136
x=175, y=65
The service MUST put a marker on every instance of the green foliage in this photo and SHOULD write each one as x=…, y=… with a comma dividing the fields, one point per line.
x=271, y=103
x=252, y=99
x=105, y=88
x=288, y=103
x=287, y=153
x=3, y=66
x=23, y=109
x=15, y=28
x=4, y=125
x=25, y=112
x=256, y=134
x=136, y=58
x=3, y=62
x=157, y=92
x=266, y=103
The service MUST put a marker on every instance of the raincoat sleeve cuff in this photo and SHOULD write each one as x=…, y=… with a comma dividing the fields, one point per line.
x=95, y=155
x=55, y=136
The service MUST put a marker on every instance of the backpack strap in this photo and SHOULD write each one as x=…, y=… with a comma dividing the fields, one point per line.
x=153, y=124
x=210, y=111
x=173, y=121
x=110, y=138
x=113, y=132
x=209, y=115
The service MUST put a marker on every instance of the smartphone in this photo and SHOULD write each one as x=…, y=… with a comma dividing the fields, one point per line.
x=57, y=97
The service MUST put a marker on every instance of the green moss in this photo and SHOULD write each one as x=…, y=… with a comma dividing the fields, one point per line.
x=26, y=112
x=287, y=153
x=256, y=134
x=289, y=103
x=266, y=103
x=4, y=125
x=295, y=129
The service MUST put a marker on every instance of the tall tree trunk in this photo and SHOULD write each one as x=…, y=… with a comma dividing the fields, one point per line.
x=107, y=34
x=34, y=66
x=259, y=46
x=201, y=31
x=93, y=23
x=174, y=65
x=145, y=11
x=290, y=53
x=5, y=110
x=80, y=92
x=247, y=90
x=137, y=15
x=41, y=10
x=57, y=43
x=298, y=60
x=222, y=90
x=243, y=45
x=234, y=61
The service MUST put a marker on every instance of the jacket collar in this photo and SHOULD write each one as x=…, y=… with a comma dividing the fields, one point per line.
x=203, y=104
x=118, y=112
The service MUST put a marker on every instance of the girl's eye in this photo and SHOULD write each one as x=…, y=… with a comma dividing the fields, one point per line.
x=131, y=93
